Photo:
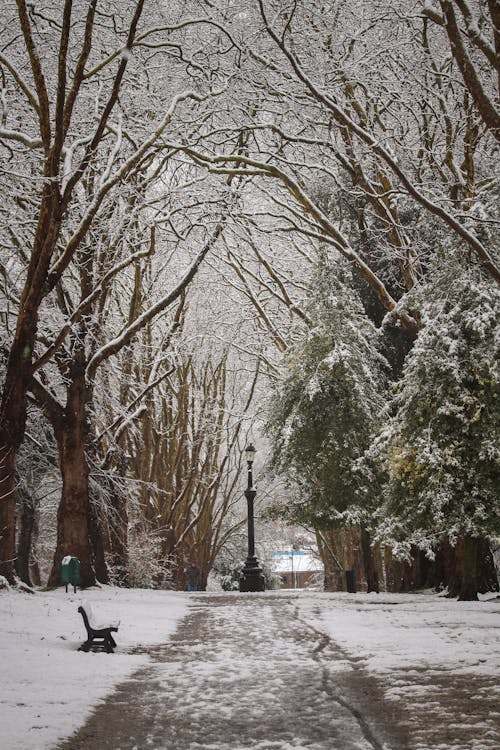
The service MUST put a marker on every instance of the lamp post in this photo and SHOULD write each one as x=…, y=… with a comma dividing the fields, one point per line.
x=251, y=576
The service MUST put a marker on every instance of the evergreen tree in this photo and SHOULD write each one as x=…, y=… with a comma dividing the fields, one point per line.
x=327, y=408
x=440, y=448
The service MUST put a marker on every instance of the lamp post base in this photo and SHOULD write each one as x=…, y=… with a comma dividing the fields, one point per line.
x=251, y=576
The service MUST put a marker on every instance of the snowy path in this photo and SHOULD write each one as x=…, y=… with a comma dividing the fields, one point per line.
x=242, y=672
x=245, y=672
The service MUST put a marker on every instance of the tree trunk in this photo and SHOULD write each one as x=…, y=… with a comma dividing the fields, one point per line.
x=469, y=581
x=12, y=427
x=443, y=569
x=19, y=367
x=476, y=568
x=26, y=524
x=487, y=573
x=118, y=534
x=73, y=534
x=97, y=543
x=7, y=510
x=334, y=575
x=371, y=574
x=465, y=570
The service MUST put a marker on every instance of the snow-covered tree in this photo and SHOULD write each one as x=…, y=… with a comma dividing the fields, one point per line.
x=440, y=448
x=472, y=32
x=327, y=409
x=84, y=109
x=398, y=136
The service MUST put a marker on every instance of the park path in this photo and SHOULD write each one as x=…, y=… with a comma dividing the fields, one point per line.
x=242, y=672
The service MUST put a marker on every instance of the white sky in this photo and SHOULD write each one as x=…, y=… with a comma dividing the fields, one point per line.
x=47, y=687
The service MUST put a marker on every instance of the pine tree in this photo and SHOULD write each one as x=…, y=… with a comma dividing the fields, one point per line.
x=440, y=448
x=327, y=408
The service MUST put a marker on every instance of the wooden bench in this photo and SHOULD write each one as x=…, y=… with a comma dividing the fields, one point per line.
x=98, y=636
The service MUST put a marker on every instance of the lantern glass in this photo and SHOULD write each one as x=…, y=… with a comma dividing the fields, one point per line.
x=250, y=453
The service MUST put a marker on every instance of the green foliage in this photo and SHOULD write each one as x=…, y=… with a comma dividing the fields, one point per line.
x=425, y=470
x=326, y=409
x=440, y=449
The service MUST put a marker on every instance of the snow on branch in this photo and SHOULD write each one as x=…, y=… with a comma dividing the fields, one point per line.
x=140, y=41
x=16, y=135
x=335, y=237
x=120, y=175
x=30, y=95
x=84, y=304
x=114, y=346
x=340, y=114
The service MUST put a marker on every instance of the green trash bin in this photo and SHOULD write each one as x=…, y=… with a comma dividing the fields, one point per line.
x=70, y=571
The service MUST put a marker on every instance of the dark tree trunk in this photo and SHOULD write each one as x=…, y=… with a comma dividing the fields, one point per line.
x=12, y=428
x=487, y=573
x=443, y=574
x=371, y=575
x=334, y=574
x=469, y=581
x=7, y=511
x=466, y=570
x=403, y=575
x=35, y=576
x=18, y=374
x=26, y=523
x=477, y=573
x=73, y=533
x=97, y=543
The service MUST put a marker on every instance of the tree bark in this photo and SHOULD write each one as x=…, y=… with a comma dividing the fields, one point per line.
x=487, y=573
x=73, y=533
x=443, y=569
x=465, y=570
x=118, y=534
x=334, y=575
x=7, y=509
x=97, y=542
x=476, y=569
x=371, y=575
x=485, y=104
x=13, y=419
x=26, y=524
x=469, y=584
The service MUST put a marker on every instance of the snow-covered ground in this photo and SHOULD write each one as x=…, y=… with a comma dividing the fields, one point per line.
x=47, y=687
x=436, y=661
x=410, y=631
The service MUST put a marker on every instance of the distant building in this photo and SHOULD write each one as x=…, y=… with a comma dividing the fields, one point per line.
x=297, y=568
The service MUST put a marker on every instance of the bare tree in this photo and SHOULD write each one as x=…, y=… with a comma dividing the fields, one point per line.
x=69, y=147
x=473, y=34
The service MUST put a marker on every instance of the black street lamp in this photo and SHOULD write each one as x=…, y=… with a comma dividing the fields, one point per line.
x=251, y=576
